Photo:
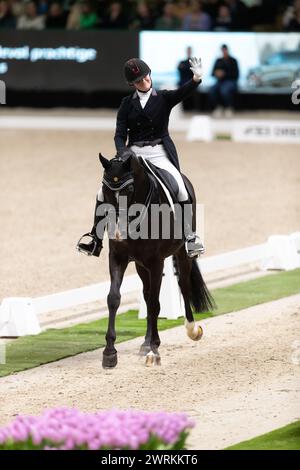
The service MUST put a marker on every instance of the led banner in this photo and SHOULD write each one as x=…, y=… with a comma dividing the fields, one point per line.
x=268, y=62
x=66, y=60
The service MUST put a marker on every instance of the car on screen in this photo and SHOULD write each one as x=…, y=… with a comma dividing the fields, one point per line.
x=278, y=70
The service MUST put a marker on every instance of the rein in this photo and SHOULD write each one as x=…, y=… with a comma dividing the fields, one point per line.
x=148, y=200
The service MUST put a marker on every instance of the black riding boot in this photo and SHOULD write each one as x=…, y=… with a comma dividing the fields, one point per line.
x=94, y=247
x=193, y=244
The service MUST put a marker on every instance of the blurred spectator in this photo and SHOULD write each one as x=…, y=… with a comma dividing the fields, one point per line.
x=88, y=17
x=291, y=17
x=223, y=21
x=73, y=19
x=17, y=7
x=181, y=9
x=211, y=7
x=252, y=3
x=168, y=21
x=269, y=10
x=116, y=18
x=166, y=15
x=239, y=14
x=185, y=74
x=30, y=19
x=7, y=19
x=143, y=17
x=226, y=72
x=57, y=17
x=42, y=7
x=196, y=20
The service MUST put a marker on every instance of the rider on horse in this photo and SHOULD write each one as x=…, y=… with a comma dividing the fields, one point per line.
x=142, y=120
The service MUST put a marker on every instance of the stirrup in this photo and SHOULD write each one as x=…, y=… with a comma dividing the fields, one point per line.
x=83, y=250
x=194, y=246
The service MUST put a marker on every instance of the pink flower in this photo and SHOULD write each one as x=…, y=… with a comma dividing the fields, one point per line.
x=68, y=428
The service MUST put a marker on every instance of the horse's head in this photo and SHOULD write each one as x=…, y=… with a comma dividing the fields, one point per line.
x=120, y=177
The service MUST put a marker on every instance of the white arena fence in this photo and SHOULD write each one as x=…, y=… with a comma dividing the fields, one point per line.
x=198, y=127
x=19, y=316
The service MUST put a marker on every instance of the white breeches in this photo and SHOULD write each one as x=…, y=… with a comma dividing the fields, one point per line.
x=158, y=157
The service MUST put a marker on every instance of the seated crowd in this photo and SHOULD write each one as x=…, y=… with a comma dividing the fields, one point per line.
x=178, y=15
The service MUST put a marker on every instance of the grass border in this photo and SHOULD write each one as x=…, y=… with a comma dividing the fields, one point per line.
x=285, y=438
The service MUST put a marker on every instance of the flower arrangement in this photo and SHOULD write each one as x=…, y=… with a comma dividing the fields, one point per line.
x=71, y=429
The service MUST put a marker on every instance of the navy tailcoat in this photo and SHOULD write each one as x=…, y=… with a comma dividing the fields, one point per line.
x=135, y=124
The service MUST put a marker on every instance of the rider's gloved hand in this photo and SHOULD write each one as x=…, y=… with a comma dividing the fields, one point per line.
x=196, y=68
x=126, y=153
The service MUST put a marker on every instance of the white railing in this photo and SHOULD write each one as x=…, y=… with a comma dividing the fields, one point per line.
x=19, y=316
x=83, y=295
x=131, y=284
x=233, y=259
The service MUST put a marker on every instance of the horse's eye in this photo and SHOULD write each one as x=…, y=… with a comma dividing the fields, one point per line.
x=130, y=188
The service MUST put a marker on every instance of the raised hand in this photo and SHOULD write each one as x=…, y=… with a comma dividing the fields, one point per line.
x=196, y=68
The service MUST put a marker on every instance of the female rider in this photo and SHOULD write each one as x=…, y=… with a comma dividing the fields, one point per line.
x=142, y=128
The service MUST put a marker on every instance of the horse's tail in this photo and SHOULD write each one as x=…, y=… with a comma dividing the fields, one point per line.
x=201, y=299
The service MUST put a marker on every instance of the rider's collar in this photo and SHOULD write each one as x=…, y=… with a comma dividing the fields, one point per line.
x=142, y=94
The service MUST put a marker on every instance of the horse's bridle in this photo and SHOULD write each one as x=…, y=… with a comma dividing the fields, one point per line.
x=125, y=181
x=120, y=185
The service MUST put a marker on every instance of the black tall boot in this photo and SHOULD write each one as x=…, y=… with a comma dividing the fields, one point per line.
x=193, y=244
x=94, y=247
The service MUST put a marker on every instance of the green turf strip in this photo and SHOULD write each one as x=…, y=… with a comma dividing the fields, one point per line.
x=54, y=344
x=287, y=438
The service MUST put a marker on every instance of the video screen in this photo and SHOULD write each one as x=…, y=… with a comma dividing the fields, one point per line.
x=268, y=62
x=66, y=61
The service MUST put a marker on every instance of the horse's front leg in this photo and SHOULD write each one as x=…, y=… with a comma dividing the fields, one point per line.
x=117, y=267
x=153, y=309
x=145, y=278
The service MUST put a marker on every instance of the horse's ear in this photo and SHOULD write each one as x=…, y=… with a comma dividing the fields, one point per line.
x=104, y=162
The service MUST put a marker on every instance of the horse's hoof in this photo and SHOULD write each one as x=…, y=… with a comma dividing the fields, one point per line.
x=144, y=350
x=199, y=333
x=109, y=361
x=153, y=359
x=195, y=332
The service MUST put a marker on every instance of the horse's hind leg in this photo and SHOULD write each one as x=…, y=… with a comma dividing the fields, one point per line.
x=145, y=278
x=184, y=265
x=117, y=267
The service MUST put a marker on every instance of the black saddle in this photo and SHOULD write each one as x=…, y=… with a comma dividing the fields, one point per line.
x=168, y=180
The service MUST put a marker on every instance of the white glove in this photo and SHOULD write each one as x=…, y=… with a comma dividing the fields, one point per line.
x=196, y=68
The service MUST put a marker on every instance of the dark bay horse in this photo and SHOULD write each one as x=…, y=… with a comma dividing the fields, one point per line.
x=132, y=181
